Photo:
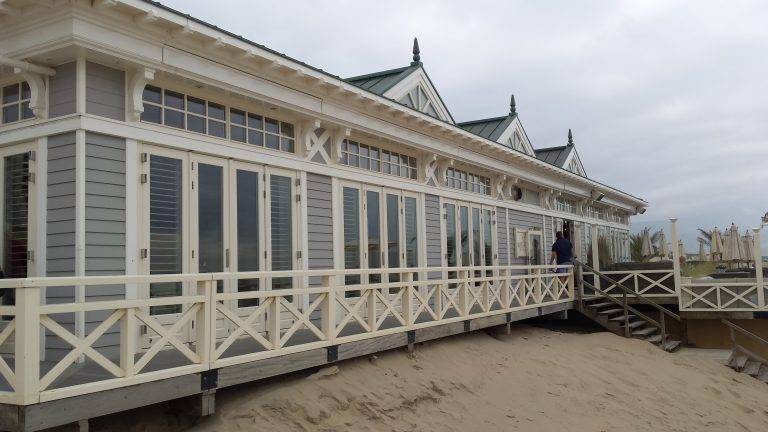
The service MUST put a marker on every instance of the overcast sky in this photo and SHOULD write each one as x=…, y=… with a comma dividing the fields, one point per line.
x=668, y=100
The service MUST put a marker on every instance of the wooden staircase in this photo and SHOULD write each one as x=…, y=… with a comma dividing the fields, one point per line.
x=621, y=318
x=745, y=360
x=611, y=316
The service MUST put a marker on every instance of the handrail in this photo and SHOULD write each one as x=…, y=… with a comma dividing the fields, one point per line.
x=628, y=307
x=745, y=332
x=629, y=291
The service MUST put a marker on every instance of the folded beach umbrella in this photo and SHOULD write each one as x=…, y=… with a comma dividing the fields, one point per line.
x=716, y=245
x=749, y=246
x=702, y=252
x=646, y=250
x=663, y=247
x=732, y=245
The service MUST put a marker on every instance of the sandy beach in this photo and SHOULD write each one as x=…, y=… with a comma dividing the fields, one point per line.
x=533, y=380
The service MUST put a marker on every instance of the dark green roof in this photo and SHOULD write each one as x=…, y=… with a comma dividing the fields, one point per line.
x=554, y=155
x=380, y=82
x=491, y=128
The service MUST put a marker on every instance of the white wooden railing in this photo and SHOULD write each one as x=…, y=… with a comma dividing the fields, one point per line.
x=648, y=283
x=722, y=295
x=210, y=330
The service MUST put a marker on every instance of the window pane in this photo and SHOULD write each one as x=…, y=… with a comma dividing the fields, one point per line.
x=210, y=218
x=26, y=112
x=255, y=137
x=272, y=125
x=351, y=233
x=374, y=165
x=286, y=129
x=374, y=233
x=255, y=121
x=152, y=94
x=476, y=236
x=195, y=105
x=464, y=226
x=273, y=141
x=237, y=133
x=151, y=114
x=281, y=228
x=26, y=92
x=174, y=118
x=195, y=123
x=487, y=239
x=217, y=111
x=10, y=113
x=217, y=128
x=248, y=232
x=353, y=147
x=174, y=100
x=10, y=93
x=165, y=227
x=450, y=231
x=286, y=144
x=411, y=233
x=237, y=117
x=393, y=232
x=16, y=201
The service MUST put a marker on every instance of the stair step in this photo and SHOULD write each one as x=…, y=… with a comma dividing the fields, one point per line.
x=636, y=324
x=762, y=375
x=611, y=311
x=620, y=318
x=752, y=368
x=647, y=331
x=655, y=339
x=601, y=305
x=672, y=345
x=737, y=361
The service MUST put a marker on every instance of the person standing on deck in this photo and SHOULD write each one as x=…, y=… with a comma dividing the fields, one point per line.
x=562, y=253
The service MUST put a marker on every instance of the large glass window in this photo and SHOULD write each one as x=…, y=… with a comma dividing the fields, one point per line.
x=210, y=219
x=248, y=231
x=14, y=103
x=165, y=227
x=374, y=159
x=281, y=228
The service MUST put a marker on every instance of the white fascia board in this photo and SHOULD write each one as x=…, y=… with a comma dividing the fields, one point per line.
x=419, y=77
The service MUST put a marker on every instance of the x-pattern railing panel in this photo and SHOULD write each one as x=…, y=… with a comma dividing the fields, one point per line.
x=726, y=296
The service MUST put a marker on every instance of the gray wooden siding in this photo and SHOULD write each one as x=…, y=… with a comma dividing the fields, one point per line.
x=104, y=91
x=432, y=233
x=319, y=223
x=523, y=220
x=62, y=94
x=549, y=232
x=501, y=235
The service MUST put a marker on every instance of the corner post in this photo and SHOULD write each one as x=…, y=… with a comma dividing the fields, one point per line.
x=758, y=255
x=329, y=309
x=205, y=323
x=27, y=345
x=676, y=259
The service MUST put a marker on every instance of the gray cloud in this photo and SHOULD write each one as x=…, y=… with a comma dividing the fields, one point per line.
x=667, y=99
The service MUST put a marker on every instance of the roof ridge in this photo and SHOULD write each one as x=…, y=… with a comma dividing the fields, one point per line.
x=380, y=73
x=550, y=148
x=483, y=120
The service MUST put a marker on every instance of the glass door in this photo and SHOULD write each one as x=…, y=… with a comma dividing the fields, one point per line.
x=281, y=213
x=374, y=229
x=246, y=224
x=165, y=181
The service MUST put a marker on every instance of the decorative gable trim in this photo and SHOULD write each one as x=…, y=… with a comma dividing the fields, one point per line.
x=516, y=134
x=410, y=85
x=573, y=163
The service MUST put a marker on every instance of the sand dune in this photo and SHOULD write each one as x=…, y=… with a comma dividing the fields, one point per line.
x=533, y=380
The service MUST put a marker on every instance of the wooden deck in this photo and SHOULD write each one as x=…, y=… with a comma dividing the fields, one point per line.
x=204, y=384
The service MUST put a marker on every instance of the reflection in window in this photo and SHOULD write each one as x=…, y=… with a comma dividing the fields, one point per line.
x=374, y=159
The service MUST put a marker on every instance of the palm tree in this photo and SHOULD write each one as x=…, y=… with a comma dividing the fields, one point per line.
x=705, y=236
x=636, y=248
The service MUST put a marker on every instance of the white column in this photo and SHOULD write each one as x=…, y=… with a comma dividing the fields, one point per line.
x=595, y=253
x=759, y=269
x=675, y=257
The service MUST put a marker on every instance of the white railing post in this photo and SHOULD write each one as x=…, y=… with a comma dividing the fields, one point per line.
x=676, y=260
x=464, y=293
x=205, y=322
x=27, y=345
x=407, y=300
x=759, y=269
x=595, y=254
x=329, y=309
x=128, y=335
x=571, y=283
x=504, y=288
x=537, y=284
x=273, y=321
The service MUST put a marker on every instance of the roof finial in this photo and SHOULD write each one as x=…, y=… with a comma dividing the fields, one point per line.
x=512, y=106
x=416, y=56
x=570, y=137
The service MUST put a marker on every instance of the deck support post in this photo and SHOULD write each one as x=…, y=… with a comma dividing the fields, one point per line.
x=207, y=402
x=759, y=269
x=27, y=345
x=82, y=425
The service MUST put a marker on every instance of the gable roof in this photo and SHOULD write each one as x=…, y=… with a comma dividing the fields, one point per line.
x=380, y=82
x=491, y=128
x=554, y=155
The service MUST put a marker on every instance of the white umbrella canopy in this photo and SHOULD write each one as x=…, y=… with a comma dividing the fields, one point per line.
x=663, y=248
x=646, y=249
x=749, y=246
x=716, y=245
x=702, y=252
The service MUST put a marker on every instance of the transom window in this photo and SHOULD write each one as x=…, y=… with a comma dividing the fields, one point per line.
x=174, y=109
x=565, y=205
x=458, y=179
x=595, y=212
x=15, y=102
x=375, y=159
